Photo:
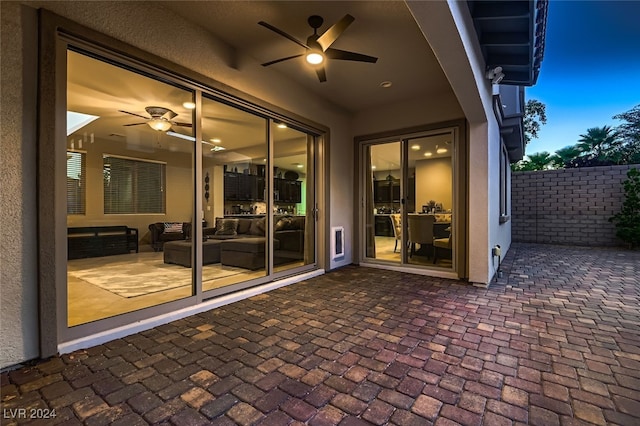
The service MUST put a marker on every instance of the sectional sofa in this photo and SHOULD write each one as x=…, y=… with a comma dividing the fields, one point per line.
x=242, y=242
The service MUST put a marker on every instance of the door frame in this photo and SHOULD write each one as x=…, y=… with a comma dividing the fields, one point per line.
x=460, y=188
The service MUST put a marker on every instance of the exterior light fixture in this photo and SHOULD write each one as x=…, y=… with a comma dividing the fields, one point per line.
x=159, y=124
x=495, y=75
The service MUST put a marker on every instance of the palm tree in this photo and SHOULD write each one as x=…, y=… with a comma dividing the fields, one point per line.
x=597, y=142
x=536, y=161
x=565, y=157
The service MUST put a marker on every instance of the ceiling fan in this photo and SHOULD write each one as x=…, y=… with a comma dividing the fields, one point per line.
x=318, y=47
x=161, y=119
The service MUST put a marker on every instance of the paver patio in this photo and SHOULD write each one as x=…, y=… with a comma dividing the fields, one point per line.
x=556, y=341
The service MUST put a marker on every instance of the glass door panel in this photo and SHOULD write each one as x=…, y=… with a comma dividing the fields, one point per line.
x=130, y=190
x=430, y=186
x=383, y=207
x=293, y=197
x=235, y=205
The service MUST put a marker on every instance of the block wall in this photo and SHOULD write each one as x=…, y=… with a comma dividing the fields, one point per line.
x=567, y=206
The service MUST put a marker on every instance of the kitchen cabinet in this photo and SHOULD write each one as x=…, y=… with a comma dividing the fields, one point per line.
x=245, y=187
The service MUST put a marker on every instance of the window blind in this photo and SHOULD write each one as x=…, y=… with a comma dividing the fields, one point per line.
x=133, y=186
x=76, y=183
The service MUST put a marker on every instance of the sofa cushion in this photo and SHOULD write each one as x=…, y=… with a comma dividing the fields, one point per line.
x=226, y=226
x=257, y=227
x=246, y=245
x=171, y=227
x=244, y=224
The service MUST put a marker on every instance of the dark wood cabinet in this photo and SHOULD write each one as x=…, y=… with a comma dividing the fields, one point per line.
x=244, y=187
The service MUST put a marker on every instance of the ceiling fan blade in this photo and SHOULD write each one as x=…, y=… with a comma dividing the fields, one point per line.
x=174, y=123
x=283, y=34
x=322, y=75
x=349, y=56
x=134, y=124
x=332, y=34
x=266, y=64
x=131, y=113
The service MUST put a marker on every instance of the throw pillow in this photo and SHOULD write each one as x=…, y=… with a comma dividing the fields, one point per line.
x=284, y=224
x=173, y=227
x=226, y=226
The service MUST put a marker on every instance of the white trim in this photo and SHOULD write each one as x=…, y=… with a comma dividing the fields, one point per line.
x=146, y=324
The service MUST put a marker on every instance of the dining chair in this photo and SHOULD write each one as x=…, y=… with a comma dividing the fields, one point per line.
x=440, y=244
x=397, y=228
x=420, y=232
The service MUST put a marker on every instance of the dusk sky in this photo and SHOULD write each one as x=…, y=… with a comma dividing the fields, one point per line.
x=590, y=71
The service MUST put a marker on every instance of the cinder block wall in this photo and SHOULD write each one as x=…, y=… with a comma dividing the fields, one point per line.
x=567, y=206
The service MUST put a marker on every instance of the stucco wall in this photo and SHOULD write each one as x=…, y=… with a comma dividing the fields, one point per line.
x=18, y=313
x=568, y=206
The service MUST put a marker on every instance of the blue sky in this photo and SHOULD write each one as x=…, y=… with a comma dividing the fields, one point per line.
x=590, y=71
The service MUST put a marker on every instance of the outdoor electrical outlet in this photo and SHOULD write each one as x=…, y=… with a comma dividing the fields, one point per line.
x=496, y=251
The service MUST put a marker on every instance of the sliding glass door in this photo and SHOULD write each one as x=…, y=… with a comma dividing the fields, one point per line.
x=408, y=192
x=175, y=194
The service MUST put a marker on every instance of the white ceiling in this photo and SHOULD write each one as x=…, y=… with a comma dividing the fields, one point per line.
x=384, y=29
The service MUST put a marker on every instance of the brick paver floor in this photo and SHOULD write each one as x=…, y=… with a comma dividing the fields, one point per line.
x=556, y=341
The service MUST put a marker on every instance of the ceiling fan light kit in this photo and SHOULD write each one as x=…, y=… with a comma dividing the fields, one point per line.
x=161, y=118
x=159, y=124
x=318, y=47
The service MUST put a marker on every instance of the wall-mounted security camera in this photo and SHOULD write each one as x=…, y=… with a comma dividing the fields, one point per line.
x=495, y=75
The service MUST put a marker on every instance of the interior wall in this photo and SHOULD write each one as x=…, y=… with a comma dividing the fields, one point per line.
x=434, y=181
x=179, y=178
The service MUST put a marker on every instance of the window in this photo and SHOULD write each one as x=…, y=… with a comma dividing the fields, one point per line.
x=76, y=182
x=133, y=186
x=504, y=184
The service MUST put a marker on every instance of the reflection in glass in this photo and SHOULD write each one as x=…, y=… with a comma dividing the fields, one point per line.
x=129, y=190
x=294, y=203
x=384, y=212
x=234, y=156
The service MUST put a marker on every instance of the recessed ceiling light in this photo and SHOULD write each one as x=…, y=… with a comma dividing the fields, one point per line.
x=373, y=167
x=189, y=105
x=386, y=84
x=281, y=126
x=300, y=166
x=415, y=147
x=441, y=150
x=428, y=154
x=215, y=140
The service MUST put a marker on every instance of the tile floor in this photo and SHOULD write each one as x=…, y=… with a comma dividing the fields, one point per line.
x=556, y=341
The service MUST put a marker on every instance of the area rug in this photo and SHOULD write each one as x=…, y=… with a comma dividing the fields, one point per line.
x=132, y=279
